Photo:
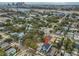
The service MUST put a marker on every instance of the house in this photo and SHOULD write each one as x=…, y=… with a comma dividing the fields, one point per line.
x=39, y=46
x=19, y=35
x=1, y=28
x=77, y=46
x=11, y=51
x=77, y=17
x=46, y=47
x=65, y=28
x=5, y=45
x=66, y=54
x=32, y=15
x=73, y=29
x=45, y=15
x=53, y=39
x=73, y=35
x=59, y=14
x=58, y=32
x=47, y=39
x=46, y=30
x=76, y=36
x=21, y=17
x=28, y=27
x=1, y=24
x=70, y=34
x=75, y=52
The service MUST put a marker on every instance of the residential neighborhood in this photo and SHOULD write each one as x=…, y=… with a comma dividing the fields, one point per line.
x=38, y=31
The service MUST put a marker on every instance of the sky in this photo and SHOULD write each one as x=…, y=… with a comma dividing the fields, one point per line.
x=50, y=3
x=39, y=0
x=55, y=3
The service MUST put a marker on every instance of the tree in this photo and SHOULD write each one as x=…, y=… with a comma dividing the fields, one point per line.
x=69, y=45
x=8, y=23
x=60, y=43
x=30, y=43
x=52, y=19
x=1, y=37
x=2, y=52
x=9, y=40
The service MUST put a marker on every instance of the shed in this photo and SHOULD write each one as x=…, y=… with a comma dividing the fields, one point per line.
x=11, y=51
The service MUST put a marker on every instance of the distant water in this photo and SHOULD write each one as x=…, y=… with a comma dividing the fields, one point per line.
x=23, y=10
